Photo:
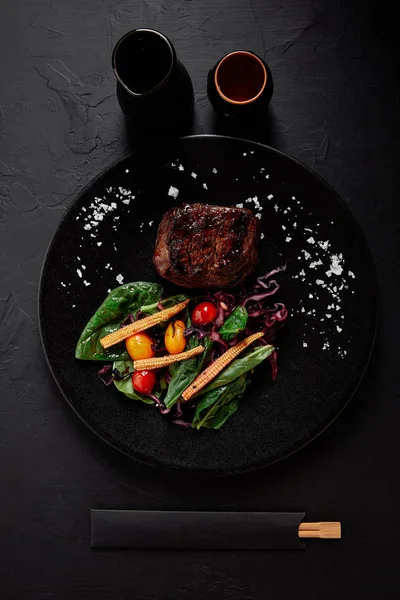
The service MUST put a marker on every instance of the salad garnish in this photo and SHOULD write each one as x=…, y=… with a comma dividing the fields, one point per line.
x=181, y=354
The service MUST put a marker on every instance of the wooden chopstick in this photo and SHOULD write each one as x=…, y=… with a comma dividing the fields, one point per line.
x=324, y=530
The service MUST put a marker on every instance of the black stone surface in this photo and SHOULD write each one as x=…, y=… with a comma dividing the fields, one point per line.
x=335, y=107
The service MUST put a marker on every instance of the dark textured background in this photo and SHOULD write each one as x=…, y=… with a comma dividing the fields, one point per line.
x=336, y=108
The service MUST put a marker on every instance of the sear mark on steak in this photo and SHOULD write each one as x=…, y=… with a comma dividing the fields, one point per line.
x=201, y=246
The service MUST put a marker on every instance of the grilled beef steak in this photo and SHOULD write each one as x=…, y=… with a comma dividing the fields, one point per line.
x=201, y=246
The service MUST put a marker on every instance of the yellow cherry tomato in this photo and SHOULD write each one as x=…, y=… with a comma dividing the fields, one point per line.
x=174, y=339
x=139, y=345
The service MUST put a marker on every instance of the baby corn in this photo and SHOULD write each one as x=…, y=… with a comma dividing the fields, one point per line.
x=218, y=365
x=142, y=324
x=145, y=364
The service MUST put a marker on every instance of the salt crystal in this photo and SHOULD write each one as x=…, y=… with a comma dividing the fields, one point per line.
x=86, y=282
x=173, y=191
x=181, y=167
x=284, y=227
x=311, y=240
x=315, y=264
x=124, y=192
x=352, y=274
x=99, y=243
x=262, y=236
x=288, y=238
x=335, y=267
x=270, y=197
x=305, y=344
x=239, y=205
x=120, y=278
x=79, y=272
x=205, y=186
x=324, y=245
x=194, y=175
x=126, y=170
x=214, y=170
x=339, y=328
x=63, y=284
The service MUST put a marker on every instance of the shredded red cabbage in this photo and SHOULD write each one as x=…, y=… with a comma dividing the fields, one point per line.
x=199, y=331
x=270, y=292
x=261, y=280
x=215, y=336
x=220, y=318
x=273, y=359
x=107, y=375
x=161, y=407
x=128, y=320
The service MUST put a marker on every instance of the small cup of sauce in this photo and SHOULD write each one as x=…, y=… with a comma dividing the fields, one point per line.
x=240, y=85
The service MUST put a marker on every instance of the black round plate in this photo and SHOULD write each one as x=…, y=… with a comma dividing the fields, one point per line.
x=329, y=288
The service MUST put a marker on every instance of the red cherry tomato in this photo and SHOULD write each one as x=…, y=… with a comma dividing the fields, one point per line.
x=144, y=381
x=204, y=313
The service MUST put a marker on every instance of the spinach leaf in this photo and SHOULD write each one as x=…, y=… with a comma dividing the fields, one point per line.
x=218, y=405
x=125, y=385
x=150, y=309
x=186, y=371
x=127, y=298
x=234, y=324
x=237, y=368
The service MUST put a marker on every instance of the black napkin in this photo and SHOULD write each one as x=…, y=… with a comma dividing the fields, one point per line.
x=195, y=530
